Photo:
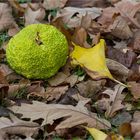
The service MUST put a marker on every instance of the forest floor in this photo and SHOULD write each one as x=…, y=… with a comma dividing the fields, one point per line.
x=96, y=94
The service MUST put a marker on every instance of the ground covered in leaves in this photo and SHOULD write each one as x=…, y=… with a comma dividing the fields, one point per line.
x=93, y=97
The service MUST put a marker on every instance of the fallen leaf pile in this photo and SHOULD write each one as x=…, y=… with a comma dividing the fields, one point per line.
x=96, y=95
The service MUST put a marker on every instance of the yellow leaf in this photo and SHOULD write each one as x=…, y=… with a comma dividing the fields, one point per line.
x=96, y=134
x=99, y=135
x=92, y=59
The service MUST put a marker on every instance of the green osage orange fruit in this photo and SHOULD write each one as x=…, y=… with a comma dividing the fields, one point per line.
x=38, y=51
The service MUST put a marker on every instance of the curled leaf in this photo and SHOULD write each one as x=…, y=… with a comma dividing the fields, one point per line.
x=92, y=60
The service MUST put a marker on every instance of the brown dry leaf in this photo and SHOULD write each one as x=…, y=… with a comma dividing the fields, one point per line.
x=24, y=81
x=120, y=28
x=72, y=16
x=86, y=21
x=125, y=129
x=35, y=95
x=119, y=70
x=83, y=3
x=95, y=29
x=4, y=46
x=2, y=77
x=73, y=79
x=74, y=115
x=35, y=87
x=34, y=16
x=78, y=97
x=15, y=88
x=3, y=91
x=114, y=102
x=103, y=104
x=116, y=98
x=67, y=99
x=34, y=6
x=135, y=89
x=136, y=116
x=107, y=16
x=6, y=70
x=2, y=52
x=135, y=41
x=137, y=135
x=86, y=3
x=134, y=73
x=61, y=78
x=8, y=74
x=58, y=79
x=90, y=87
x=53, y=4
x=128, y=10
x=95, y=38
x=121, y=46
x=17, y=126
x=80, y=37
x=6, y=18
x=13, y=31
x=54, y=93
x=71, y=97
x=135, y=125
x=126, y=58
x=18, y=88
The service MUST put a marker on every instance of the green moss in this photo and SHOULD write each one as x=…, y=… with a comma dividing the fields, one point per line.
x=37, y=51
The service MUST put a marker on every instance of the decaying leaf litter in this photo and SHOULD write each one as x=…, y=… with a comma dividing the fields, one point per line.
x=96, y=94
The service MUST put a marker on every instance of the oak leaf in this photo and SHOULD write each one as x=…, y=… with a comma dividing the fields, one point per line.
x=114, y=102
x=50, y=112
x=16, y=126
x=73, y=16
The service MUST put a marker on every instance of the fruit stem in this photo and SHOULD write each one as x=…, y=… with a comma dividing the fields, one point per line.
x=37, y=39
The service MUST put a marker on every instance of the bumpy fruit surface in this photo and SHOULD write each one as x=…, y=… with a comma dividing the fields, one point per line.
x=37, y=51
